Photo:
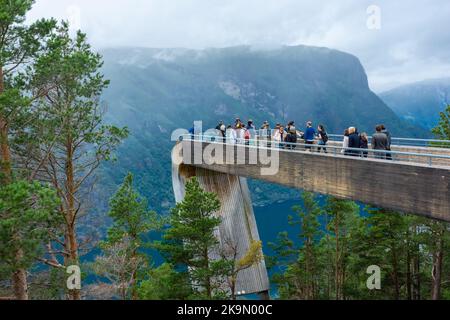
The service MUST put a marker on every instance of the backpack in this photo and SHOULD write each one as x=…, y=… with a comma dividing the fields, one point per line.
x=324, y=137
x=291, y=138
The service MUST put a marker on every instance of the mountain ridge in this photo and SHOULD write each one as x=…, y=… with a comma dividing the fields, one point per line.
x=154, y=96
x=419, y=102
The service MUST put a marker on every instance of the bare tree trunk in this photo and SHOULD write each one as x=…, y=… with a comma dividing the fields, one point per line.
x=71, y=215
x=73, y=257
x=438, y=258
x=134, y=293
x=6, y=170
x=416, y=286
x=395, y=275
x=19, y=280
x=233, y=287
x=330, y=269
x=408, y=266
x=343, y=267
x=408, y=276
x=416, y=269
x=208, y=279
x=5, y=152
x=337, y=258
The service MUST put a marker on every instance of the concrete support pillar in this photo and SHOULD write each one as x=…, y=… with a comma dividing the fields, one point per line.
x=238, y=219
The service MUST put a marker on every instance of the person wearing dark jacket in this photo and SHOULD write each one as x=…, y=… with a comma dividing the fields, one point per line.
x=364, y=144
x=221, y=129
x=309, y=136
x=389, y=137
x=265, y=130
x=289, y=125
x=291, y=138
x=323, y=138
x=353, y=142
x=265, y=133
x=380, y=142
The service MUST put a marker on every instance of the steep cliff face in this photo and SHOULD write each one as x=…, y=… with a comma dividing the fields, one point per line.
x=420, y=102
x=154, y=91
x=166, y=88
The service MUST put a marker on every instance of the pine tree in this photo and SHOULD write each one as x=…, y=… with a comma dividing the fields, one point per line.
x=76, y=140
x=439, y=230
x=165, y=283
x=285, y=255
x=28, y=211
x=442, y=130
x=190, y=243
x=411, y=252
x=307, y=220
x=343, y=219
x=301, y=276
x=123, y=257
x=435, y=239
x=20, y=44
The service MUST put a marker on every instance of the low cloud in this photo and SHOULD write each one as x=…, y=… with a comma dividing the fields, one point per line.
x=412, y=44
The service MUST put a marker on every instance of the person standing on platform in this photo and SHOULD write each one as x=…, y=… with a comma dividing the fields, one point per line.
x=309, y=135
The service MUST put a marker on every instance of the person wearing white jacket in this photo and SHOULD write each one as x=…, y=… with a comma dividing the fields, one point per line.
x=278, y=136
x=345, y=142
x=231, y=135
x=240, y=133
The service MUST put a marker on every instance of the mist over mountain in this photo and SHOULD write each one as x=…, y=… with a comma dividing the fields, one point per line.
x=154, y=91
x=420, y=102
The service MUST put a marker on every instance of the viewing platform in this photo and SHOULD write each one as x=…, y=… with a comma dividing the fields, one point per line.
x=414, y=177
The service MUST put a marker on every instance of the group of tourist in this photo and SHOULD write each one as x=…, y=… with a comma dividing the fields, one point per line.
x=288, y=137
x=354, y=141
x=281, y=136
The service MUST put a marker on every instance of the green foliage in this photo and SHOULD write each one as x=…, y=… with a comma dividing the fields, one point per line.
x=70, y=66
x=20, y=44
x=165, y=283
x=189, y=240
x=301, y=276
x=346, y=243
x=442, y=130
x=123, y=260
x=130, y=215
x=438, y=238
x=28, y=212
x=71, y=139
x=344, y=229
x=46, y=284
x=54, y=118
x=252, y=256
x=307, y=219
x=231, y=265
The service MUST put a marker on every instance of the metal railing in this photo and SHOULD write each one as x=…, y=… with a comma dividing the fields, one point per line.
x=327, y=150
x=410, y=142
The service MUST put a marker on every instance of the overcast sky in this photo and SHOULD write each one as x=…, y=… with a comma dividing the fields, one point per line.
x=410, y=41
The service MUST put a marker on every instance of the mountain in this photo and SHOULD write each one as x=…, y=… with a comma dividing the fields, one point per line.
x=155, y=91
x=420, y=102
